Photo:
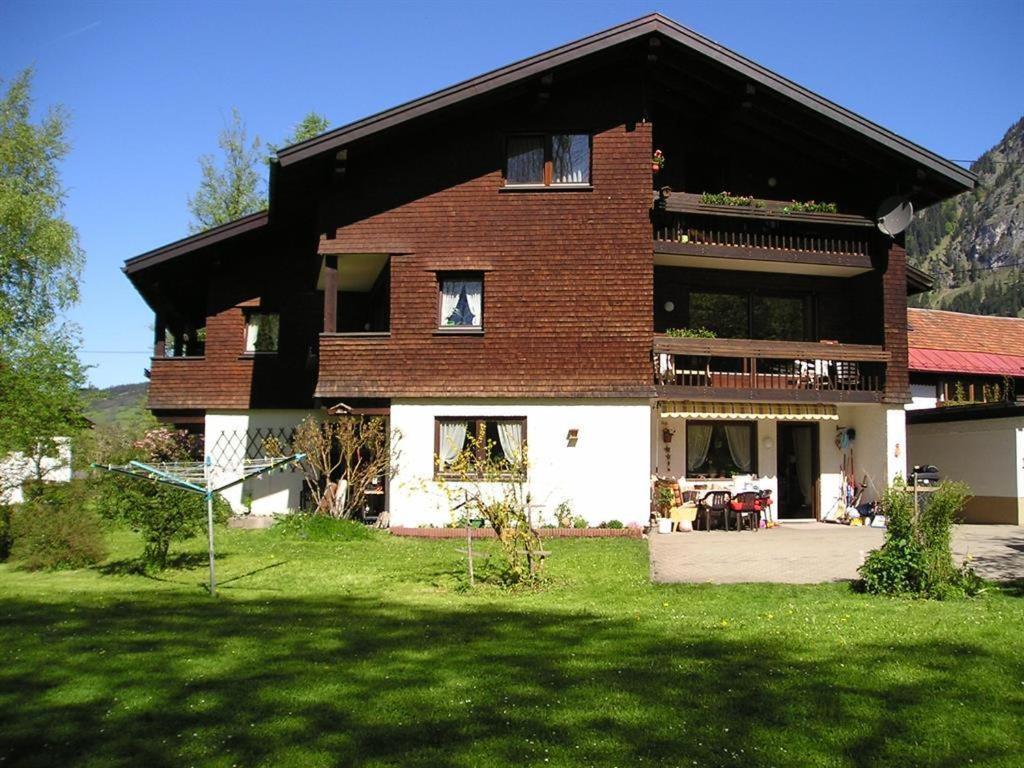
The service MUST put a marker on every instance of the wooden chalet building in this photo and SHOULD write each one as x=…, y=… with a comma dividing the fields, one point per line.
x=500, y=255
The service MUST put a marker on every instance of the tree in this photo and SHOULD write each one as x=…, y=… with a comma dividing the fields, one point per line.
x=234, y=188
x=40, y=262
x=313, y=124
x=40, y=258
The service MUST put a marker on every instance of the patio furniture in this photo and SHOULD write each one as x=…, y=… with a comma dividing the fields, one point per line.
x=847, y=375
x=746, y=507
x=765, y=497
x=713, y=504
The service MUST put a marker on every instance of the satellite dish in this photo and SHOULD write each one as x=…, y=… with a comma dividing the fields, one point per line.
x=894, y=215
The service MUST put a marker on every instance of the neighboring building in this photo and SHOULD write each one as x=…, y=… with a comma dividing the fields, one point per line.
x=500, y=256
x=956, y=358
x=17, y=469
x=966, y=375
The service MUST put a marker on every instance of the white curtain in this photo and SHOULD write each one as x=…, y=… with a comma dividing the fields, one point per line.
x=570, y=154
x=804, y=462
x=453, y=311
x=453, y=440
x=738, y=438
x=510, y=435
x=698, y=442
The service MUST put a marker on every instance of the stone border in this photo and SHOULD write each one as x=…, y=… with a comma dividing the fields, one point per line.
x=545, y=533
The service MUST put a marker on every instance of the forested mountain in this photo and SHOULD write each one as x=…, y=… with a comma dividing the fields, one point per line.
x=973, y=245
x=123, y=405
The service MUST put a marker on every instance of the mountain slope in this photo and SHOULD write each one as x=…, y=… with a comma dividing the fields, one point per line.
x=973, y=245
x=122, y=405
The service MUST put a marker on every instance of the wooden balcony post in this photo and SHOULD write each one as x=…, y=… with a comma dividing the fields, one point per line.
x=330, y=293
x=159, y=336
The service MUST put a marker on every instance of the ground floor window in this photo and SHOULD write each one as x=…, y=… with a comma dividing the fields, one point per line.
x=720, y=448
x=477, y=441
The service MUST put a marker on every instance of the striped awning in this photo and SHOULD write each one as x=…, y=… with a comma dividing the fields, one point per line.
x=689, y=409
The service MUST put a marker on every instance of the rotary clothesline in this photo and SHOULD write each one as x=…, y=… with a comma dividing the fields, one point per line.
x=202, y=477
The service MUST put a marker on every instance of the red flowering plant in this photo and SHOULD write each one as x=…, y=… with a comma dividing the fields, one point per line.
x=658, y=161
x=163, y=444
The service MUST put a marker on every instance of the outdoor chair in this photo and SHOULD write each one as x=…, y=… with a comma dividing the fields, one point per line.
x=847, y=375
x=765, y=499
x=714, y=504
x=746, y=507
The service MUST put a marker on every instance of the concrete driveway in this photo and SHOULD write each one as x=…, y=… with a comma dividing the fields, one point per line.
x=810, y=553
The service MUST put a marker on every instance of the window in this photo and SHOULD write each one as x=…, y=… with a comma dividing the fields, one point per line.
x=262, y=330
x=720, y=449
x=777, y=317
x=479, y=442
x=555, y=159
x=750, y=315
x=461, y=302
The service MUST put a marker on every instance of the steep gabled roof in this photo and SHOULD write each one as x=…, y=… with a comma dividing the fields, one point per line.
x=653, y=23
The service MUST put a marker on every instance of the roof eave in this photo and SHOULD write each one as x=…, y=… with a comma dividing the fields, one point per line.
x=195, y=242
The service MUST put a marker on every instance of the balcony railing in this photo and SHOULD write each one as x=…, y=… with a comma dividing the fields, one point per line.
x=683, y=225
x=789, y=370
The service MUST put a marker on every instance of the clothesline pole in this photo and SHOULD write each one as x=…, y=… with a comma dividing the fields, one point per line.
x=209, y=524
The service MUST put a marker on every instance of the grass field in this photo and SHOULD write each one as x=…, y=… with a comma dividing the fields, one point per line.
x=373, y=653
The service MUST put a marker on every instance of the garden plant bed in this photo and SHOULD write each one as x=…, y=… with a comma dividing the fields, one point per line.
x=545, y=533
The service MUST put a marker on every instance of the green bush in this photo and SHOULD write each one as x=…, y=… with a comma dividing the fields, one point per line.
x=579, y=522
x=311, y=527
x=915, y=558
x=616, y=524
x=159, y=513
x=55, y=529
x=5, y=531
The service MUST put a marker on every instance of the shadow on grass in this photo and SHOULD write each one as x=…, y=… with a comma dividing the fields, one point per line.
x=348, y=681
x=136, y=566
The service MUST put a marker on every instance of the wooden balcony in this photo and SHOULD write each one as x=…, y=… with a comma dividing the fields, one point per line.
x=684, y=226
x=747, y=369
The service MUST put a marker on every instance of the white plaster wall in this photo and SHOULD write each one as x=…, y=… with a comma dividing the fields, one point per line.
x=18, y=468
x=986, y=454
x=879, y=451
x=922, y=396
x=605, y=476
x=273, y=494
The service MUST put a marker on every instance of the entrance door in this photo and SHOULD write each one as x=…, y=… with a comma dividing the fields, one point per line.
x=798, y=470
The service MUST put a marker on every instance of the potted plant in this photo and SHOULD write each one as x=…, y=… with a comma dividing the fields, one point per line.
x=664, y=501
x=657, y=161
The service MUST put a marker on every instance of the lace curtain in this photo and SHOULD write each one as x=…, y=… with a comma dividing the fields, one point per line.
x=698, y=443
x=510, y=435
x=737, y=437
x=453, y=440
x=460, y=302
x=570, y=158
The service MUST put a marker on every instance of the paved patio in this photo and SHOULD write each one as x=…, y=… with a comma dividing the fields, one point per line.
x=810, y=553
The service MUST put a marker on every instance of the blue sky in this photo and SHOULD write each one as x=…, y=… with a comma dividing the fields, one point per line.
x=150, y=85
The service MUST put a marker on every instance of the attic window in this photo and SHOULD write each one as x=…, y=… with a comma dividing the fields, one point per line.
x=548, y=159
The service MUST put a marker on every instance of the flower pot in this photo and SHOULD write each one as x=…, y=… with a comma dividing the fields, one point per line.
x=655, y=167
x=664, y=525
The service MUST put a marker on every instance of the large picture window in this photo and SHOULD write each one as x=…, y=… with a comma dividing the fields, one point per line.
x=474, y=442
x=750, y=316
x=551, y=159
x=720, y=448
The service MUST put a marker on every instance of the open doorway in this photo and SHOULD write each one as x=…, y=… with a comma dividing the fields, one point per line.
x=798, y=471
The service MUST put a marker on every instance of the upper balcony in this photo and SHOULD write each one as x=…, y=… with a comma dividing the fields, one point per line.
x=689, y=232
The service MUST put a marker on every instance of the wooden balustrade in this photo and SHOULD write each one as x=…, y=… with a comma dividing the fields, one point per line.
x=796, y=370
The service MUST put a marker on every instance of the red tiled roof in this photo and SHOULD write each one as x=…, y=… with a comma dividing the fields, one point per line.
x=962, y=343
x=957, y=361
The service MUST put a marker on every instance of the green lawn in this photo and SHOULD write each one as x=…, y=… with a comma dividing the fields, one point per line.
x=372, y=653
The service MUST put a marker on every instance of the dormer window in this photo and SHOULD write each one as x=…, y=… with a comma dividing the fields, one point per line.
x=548, y=160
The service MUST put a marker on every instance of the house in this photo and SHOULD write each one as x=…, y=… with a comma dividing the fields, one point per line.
x=967, y=414
x=53, y=466
x=507, y=257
